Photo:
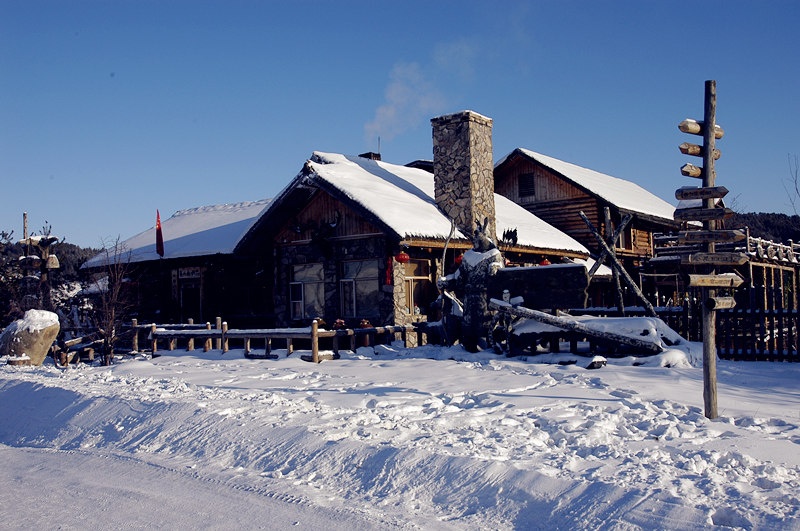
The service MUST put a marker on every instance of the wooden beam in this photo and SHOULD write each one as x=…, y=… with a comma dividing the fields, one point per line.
x=616, y=264
x=604, y=253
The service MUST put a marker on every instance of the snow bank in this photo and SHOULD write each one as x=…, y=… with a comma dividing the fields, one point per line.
x=428, y=438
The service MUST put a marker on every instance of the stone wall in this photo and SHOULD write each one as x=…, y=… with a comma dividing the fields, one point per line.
x=463, y=169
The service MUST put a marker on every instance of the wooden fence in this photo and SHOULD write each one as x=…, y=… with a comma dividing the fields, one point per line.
x=742, y=334
x=758, y=335
x=220, y=336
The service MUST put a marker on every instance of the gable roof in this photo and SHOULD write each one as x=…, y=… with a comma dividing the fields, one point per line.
x=400, y=199
x=625, y=195
x=201, y=231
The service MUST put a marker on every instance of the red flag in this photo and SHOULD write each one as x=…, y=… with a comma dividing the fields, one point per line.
x=159, y=236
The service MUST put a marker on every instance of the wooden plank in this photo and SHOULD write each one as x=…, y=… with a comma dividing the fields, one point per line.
x=695, y=192
x=724, y=280
x=712, y=236
x=701, y=214
x=695, y=127
x=718, y=258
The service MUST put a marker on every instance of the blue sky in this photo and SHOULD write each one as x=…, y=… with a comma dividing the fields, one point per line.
x=110, y=110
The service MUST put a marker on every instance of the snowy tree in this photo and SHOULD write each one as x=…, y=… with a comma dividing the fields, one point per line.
x=113, y=298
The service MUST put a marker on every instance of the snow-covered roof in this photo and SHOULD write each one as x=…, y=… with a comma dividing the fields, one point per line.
x=625, y=195
x=403, y=199
x=207, y=230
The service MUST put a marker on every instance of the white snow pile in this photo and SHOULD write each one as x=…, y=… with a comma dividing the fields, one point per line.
x=394, y=438
x=34, y=321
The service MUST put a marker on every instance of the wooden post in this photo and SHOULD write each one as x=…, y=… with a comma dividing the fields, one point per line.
x=207, y=343
x=618, y=266
x=611, y=239
x=135, y=338
x=709, y=314
x=225, y=336
x=315, y=341
x=153, y=340
x=190, y=342
x=218, y=341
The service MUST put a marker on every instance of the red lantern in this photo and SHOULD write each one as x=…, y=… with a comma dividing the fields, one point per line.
x=402, y=257
x=458, y=259
x=544, y=262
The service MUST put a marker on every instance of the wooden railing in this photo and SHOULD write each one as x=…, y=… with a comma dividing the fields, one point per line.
x=758, y=335
x=742, y=334
x=221, y=335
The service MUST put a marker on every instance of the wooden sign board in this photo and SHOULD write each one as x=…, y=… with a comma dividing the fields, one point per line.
x=695, y=127
x=720, y=303
x=696, y=151
x=693, y=192
x=712, y=236
x=690, y=170
x=718, y=259
x=701, y=214
x=724, y=280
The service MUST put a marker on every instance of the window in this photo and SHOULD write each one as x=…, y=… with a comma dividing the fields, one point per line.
x=419, y=287
x=358, y=288
x=527, y=186
x=307, y=291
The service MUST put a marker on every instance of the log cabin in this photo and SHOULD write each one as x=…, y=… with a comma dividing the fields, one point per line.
x=557, y=192
x=199, y=276
x=355, y=238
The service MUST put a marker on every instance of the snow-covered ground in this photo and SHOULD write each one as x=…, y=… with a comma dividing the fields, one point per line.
x=426, y=438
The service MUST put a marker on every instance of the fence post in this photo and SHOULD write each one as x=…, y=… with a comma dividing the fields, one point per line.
x=153, y=340
x=207, y=344
x=314, y=341
x=224, y=336
x=218, y=342
x=190, y=342
x=135, y=338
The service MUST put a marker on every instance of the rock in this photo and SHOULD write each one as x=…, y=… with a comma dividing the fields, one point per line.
x=30, y=338
x=598, y=362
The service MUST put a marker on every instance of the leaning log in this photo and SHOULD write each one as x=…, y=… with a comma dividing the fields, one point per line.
x=573, y=325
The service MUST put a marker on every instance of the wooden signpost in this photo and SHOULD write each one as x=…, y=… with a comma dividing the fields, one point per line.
x=710, y=214
x=716, y=236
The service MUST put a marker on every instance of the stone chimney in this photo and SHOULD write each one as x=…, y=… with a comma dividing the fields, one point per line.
x=463, y=169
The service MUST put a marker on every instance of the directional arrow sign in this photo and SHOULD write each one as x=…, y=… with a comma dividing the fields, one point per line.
x=690, y=170
x=696, y=151
x=695, y=127
x=712, y=236
x=693, y=192
x=701, y=214
x=718, y=258
x=720, y=303
x=724, y=280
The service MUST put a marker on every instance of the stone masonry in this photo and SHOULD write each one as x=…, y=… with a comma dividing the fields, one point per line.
x=463, y=169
